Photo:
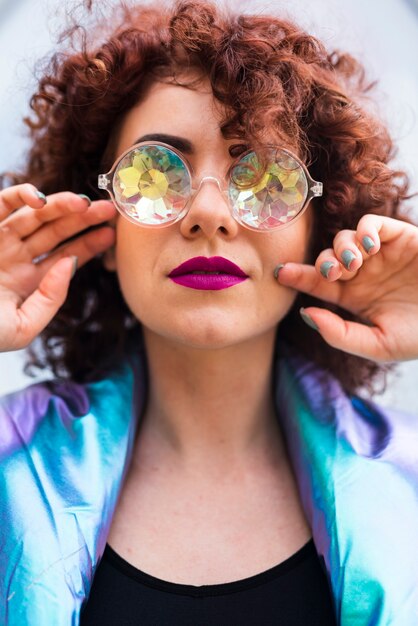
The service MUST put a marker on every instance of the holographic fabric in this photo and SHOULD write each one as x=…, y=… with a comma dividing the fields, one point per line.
x=65, y=449
x=357, y=470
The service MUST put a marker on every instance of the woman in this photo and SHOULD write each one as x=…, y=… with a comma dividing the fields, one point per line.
x=199, y=434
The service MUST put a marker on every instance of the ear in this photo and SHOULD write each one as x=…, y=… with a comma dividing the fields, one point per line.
x=109, y=256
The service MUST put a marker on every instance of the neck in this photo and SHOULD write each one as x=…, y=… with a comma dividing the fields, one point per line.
x=210, y=408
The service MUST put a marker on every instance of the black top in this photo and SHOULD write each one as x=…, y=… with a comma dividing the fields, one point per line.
x=293, y=593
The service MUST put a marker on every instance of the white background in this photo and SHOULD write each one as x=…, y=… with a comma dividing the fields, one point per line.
x=382, y=33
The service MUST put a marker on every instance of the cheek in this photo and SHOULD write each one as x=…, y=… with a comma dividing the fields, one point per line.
x=136, y=258
x=288, y=245
x=143, y=257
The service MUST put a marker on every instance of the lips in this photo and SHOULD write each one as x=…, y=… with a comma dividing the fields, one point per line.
x=212, y=274
x=213, y=264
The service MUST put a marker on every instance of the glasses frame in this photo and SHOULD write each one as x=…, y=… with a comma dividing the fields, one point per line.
x=105, y=182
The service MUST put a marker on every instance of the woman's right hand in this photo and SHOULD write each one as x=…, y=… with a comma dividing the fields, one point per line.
x=31, y=293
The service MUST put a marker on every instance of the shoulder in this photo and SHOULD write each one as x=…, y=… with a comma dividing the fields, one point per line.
x=63, y=409
x=24, y=412
x=294, y=375
x=314, y=407
x=64, y=452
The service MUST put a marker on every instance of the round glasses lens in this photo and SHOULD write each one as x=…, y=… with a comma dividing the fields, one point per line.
x=151, y=184
x=267, y=198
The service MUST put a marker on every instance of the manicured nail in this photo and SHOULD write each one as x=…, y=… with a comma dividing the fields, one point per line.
x=347, y=258
x=325, y=268
x=368, y=243
x=41, y=196
x=75, y=262
x=83, y=195
x=308, y=319
x=277, y=270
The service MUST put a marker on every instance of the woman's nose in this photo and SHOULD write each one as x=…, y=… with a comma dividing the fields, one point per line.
x=209, y=211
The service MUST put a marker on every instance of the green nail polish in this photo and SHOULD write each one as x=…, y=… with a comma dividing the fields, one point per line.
x=368, y=243
x=75, y=263
x=347, y=258
x=307, y=319
x=41, y=195
x=277, y=270
x=83, y=195
x=325, y=268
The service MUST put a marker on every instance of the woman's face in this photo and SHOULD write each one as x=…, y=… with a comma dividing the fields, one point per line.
x=144, y=257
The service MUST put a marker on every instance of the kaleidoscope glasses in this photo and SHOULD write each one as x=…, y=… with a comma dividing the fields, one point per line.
x=152, y=185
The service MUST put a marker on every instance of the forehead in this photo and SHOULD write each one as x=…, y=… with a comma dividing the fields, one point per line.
x=190, y=112
x=177, y=110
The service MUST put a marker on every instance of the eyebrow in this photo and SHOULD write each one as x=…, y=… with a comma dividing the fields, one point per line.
x=182, y=144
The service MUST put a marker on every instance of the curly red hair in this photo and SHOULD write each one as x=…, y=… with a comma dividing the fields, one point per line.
x=269, y=74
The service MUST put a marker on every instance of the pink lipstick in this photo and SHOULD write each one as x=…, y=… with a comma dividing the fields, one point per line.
x=203, y=273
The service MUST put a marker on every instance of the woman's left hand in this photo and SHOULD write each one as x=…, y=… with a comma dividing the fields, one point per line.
x=379, y=283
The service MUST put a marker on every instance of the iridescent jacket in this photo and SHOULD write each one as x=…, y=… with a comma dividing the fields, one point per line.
x=65, y=449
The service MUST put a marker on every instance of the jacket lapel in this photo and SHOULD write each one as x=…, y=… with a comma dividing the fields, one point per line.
x=356, y=467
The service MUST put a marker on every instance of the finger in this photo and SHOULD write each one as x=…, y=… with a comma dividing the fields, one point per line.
x=328, y=266
x=382, y=229
x=84, y=248
x=26, y=221
x=41, y=306
x=346, y=241
x=307, y=279
x=351, y=337
x=17, y=196
x=51, y=235
x=373, y=231
x=345, y=258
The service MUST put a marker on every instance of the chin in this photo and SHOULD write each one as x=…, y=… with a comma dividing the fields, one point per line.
x=211, y=326
x=208, y=340
x=202, y=333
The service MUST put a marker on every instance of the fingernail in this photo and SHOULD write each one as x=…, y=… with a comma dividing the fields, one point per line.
x=75, y=263
x=368, y=243
x=41, y=196
x=325, y=268
x=83, y=195
x=347, y=258
x=308, y=319
x=277, y=270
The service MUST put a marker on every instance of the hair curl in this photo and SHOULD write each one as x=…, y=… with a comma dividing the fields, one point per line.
x=269, y=74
